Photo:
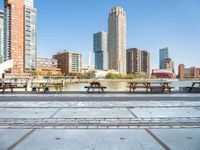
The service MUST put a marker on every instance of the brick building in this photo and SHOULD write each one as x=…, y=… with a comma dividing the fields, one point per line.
x=69, y=62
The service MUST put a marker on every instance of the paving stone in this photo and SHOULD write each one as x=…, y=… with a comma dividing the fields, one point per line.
x=10, y=136
x=26, y=112
x=179, y=139
x=93, y=113
x=166, y=112
x=81, y=139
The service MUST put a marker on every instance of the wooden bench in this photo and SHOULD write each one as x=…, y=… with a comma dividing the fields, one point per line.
x=4, y=86
x=45, y=87
x=195, y=85
x=19, y=86
x=132, y=88
x=150, y=86
x=94, y=86
x=138, y=85
x=163, y=88
x=161, y=85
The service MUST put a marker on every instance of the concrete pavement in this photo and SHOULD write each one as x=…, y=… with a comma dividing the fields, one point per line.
x=99, y=122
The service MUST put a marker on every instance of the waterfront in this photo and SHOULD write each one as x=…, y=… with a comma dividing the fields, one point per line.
x=121, y=86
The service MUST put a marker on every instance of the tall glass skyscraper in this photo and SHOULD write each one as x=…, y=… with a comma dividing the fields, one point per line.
x=117, y=40
x=163, y=54
x=100, y=50
x=1, y=36
x=20, y=35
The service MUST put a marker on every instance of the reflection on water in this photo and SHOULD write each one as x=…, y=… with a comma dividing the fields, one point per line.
x=118, y=85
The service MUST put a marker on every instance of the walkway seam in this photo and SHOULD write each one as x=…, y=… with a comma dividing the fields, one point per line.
x=132, y=113
x=55, y=112
x=20, y=140
x=158, y=140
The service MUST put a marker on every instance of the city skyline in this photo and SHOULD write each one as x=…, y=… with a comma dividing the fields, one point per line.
x=174, y=28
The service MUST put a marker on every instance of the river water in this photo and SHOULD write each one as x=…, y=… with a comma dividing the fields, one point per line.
x=120, y=86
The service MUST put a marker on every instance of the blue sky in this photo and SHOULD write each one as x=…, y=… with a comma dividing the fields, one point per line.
x=151, y=24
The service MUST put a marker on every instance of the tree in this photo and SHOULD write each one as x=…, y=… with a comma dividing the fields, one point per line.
x=49, y=73
x=34, y=73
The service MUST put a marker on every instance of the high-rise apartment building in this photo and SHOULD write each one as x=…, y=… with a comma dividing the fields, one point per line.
x=164, y=54
x=20, y=35
x=181, y=71
x=191, y=72
x=100, y=50
x=1, y=35
x=138, y=62
x=145, y=62
x=133, y=61
x=169, y=64
x=30, y=36
x=117, y=40
x=69, y=62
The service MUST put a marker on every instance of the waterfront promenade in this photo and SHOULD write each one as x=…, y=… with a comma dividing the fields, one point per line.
x=111, y=121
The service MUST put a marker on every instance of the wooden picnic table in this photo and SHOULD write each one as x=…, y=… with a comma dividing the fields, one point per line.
x=150, y=86
x=58, y=86
x=95, y=85
x=161, y=85
x=195, y=85
x=6, y=85
x=138, y=85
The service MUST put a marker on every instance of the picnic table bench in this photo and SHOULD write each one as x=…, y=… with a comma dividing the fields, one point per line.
x=138, y=85
x=19, y=85
x=6, y=85
x=94, y=86
x=195, y=85
x=12, y=85
x=164, y=86
x=150, y=86
x=46, y=85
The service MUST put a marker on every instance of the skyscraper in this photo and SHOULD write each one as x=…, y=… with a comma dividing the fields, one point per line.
x=20, y=34
x=1, y=36
x=181, y=71
x=138, y=62
x=117, y=40
x=164, y=54
x=30, y=36
x=145, y=62
x=100, y=50
x=169, y=64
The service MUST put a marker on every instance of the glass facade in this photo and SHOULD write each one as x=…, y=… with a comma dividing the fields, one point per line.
x=100, y=50
x=30, y=38
x=1, y=36
x=74, y=62
x=163, y=54
x=29, y=2
x=7, y=23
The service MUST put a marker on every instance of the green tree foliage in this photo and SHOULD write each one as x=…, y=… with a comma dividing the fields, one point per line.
x=34, y=73
x=49, y=73
x=86, y=75
x=128, y=76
